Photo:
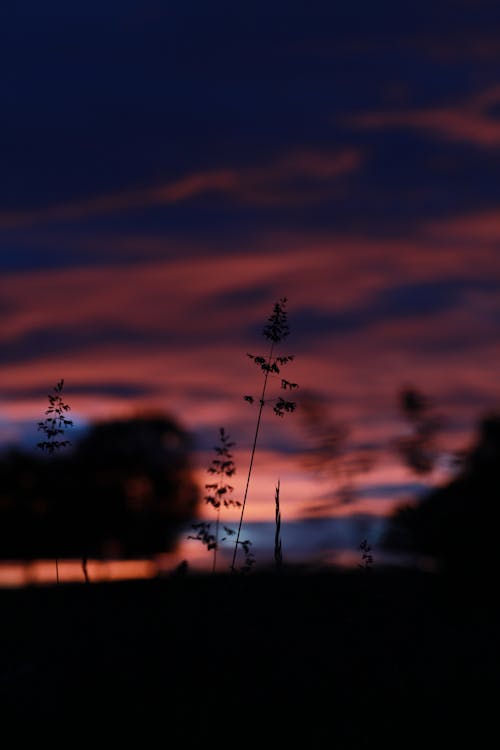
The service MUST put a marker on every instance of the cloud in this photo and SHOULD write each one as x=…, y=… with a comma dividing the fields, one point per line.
x=469, y=121
x=285, y=181
x=170, y=326
x=477, y=227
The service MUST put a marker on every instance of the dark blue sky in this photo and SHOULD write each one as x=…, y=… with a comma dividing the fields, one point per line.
x=114, y=96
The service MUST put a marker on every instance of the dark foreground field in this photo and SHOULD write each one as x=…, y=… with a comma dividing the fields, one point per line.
x=344, y=660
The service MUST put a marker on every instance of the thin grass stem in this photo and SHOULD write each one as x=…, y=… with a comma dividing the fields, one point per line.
x=278, y=553
x=252, y=456
x=216, y=546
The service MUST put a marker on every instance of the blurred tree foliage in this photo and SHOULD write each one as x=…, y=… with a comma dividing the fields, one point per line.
x=419, y=449
x=123, y=491
x=458, y=524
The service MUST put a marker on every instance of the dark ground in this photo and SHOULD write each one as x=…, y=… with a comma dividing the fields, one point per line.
x=343, y=660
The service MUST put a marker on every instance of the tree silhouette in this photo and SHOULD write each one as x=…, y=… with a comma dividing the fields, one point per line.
x=458, y=524
x=125, y=490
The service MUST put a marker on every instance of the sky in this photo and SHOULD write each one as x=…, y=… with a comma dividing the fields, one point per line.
x=170, y=170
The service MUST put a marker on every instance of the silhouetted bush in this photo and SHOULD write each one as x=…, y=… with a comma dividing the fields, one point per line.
x=458, y=523
x=123, y=491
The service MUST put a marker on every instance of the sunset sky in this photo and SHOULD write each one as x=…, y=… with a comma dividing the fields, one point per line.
x=169, y=170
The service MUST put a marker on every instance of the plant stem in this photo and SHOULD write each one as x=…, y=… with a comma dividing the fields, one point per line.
x=278, y=554
x=57, y=571
x=257, y=428
x=85, y=569
x=216, y=539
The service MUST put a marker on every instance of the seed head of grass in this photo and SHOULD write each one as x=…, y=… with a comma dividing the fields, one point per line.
x=222, y=468
x=55, y=422
x=275, y=330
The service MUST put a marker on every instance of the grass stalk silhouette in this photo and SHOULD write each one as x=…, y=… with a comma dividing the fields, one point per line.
x=278, y=552
x=218, y=495
x=219, y=492
x=53, y=427
x=275, y=331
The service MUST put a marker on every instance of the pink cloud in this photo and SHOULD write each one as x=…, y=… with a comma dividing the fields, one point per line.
x=257, y=185
x=468, y=121
x=482, y=226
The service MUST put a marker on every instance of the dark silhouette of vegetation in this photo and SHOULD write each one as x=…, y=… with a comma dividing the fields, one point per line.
x=275, y=331
x=249, y=559
x=325, y=656
x=125, y=490
x=53, y=427
x=366, y=555
x=419, y=449
x=219, y=492
x=278, y=552
x=56, y=422
x=204, y=534
x=457, y=524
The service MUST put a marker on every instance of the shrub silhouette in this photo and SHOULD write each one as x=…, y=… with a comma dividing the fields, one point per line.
x=124, y=491
x=457, y=524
